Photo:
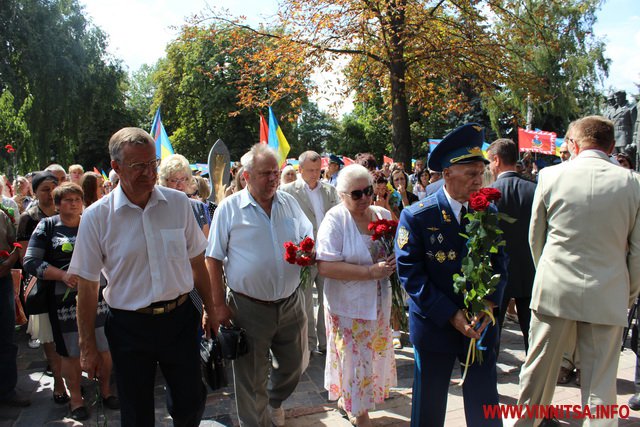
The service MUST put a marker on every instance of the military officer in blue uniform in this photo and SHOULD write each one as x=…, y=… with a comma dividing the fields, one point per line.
x=429, y=250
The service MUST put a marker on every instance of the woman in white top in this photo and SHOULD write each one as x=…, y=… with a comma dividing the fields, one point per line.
x=360, y=367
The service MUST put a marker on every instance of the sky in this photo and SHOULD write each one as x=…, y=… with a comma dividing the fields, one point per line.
x=139, y=30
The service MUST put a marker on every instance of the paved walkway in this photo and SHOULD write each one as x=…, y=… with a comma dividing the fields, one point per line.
x=308, y=406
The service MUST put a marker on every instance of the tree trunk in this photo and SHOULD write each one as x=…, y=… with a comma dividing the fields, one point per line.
x=400, y=129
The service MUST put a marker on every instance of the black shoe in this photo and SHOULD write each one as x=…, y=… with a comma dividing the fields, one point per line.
x=549, y=422
x=47, y=371
x=634, y=402
x=111, y=402
x=17, y=400
x=61, y=399
x=81, y=413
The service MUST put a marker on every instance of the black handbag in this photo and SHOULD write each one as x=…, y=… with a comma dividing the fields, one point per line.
x=35, y=297
x=233, y=340
x=212, y=363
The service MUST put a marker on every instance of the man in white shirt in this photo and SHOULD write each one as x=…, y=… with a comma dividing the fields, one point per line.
x=247, y=236
x=315, y=199
x=146, y=241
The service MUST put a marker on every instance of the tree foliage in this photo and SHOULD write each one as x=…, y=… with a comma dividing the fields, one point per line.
x=433, y=57
x=52, y=54
x=14, y=132
x=200, y=85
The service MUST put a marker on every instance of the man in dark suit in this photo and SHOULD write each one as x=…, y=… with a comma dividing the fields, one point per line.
x=429, y=250
x=516, y=201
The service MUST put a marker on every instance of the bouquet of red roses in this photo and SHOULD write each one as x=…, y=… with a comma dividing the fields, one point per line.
x=477, y=280
x=384, y=231
x=302, y=255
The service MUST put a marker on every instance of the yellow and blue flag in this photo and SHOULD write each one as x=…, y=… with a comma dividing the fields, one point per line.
x=159, y=135
x=277, y=141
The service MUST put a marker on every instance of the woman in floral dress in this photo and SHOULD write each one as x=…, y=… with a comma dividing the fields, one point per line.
x=360, y=367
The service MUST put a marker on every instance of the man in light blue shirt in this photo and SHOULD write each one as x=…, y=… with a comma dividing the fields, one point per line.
x=247, y=237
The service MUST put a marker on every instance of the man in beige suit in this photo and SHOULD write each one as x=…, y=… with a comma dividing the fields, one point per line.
x=315, y=198
x=585, y=242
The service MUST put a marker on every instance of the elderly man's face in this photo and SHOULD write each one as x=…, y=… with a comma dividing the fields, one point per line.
x=138, y=169
x=264, y=177
x=462, y=180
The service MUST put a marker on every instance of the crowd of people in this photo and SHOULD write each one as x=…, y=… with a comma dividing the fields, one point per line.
x=140, y=267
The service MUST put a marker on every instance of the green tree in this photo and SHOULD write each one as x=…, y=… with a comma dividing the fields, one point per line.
x=436, y=57
x=198, y=89
x=14, y=133
x=51, y=52
x=140, y=94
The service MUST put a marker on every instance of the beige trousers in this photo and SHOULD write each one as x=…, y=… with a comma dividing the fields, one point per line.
x=599, y=349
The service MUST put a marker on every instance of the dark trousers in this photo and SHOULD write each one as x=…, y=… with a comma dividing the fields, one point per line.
x=140, y=342
x=524, y=318
x=431, y=385
x=8, y=350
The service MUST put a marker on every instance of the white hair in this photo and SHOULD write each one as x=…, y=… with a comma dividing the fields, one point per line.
x=258, y=150
x=351, y=173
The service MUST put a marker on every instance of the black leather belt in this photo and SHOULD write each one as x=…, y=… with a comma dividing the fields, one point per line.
x=164, y=306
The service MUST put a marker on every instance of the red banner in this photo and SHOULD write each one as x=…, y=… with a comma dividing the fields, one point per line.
x=537, y=141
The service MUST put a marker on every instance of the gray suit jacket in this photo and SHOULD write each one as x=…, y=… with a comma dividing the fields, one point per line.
x=297, y=189
x=585, y=240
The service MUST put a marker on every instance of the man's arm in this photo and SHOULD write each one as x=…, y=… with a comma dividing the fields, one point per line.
x=86, y=317
x=202, y=284
x=222, y=311
x=538, y=225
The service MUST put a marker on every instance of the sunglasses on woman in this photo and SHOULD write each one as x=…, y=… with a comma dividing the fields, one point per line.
x=357, y=194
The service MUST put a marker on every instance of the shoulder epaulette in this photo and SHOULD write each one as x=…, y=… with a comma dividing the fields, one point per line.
x=424, y=204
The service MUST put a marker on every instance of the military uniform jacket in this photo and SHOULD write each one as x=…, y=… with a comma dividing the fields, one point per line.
x=429, y=250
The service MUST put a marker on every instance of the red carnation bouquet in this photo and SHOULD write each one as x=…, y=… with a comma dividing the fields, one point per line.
x=384, y=231
x=301, y=254
x=477, y=280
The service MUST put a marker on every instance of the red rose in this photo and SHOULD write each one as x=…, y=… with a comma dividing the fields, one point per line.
x=17, y=245
x=492, y=194
x=478, y=202
x=4, y=254
x=303, y=260
x=291, y=259
x=307, y=244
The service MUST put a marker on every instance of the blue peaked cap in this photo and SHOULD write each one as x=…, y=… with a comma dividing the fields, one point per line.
x=461, y=145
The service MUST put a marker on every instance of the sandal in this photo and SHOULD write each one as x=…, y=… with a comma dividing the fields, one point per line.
x=345, y=414
x=565, y=375
x=81, y=413
x=61, y=398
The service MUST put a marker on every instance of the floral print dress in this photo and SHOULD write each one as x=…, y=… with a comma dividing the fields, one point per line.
x=361, y=366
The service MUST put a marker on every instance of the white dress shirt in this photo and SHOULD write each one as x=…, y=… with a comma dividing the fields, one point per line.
x=315, y=197
x=456, y=206
x=251, y=244
x=143, y=253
